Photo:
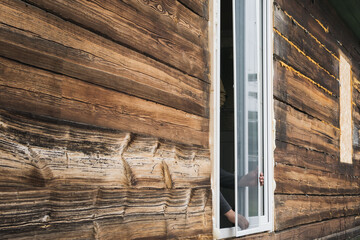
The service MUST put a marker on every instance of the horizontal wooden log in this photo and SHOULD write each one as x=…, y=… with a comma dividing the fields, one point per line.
x=294, y=210
x=322, y=229
x=355, y=114
x=300, y=92
x=356, y=127
x=296, y=11
x=174, y=16
x=37, y=154
x=40, y=92
x=296, y=180
x=342, y=228
x=58, y=177
x=286, y=51
x=156, y=164
x=300, y=129
x=29, y=207
x=356, y=102
x=355, y=97
x=302, y=157
x=355, y=79
x=111, y=214
x=159, y=31
x=201, y=7
x=291, y=154
x=306, y=42
x=327, y=17
x=59, y=46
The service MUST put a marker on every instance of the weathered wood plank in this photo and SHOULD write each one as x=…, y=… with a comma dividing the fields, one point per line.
x=355, y=79
x=356, y=128
x=298, y=156
x=37, y=154
x=298, y=91
x=40, y=92
x=308, y=209
x=321, y=229
x=155, y=164
x=175, y=17
x=321, y=21
x=305, y=42
x=159, y=34
x=114, y=213
x=356, y=101
x=58, y=177
x=201, y=7
x=293, y=57
x=29, y=207
x=303, y=18
x=296, y=180
x=327, y=17
x=300, y=129
x=59, y=46
x=290, y=154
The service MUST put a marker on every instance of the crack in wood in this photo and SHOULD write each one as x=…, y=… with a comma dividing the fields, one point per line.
x=96, y=230
x=127, y=169
x=166, y=175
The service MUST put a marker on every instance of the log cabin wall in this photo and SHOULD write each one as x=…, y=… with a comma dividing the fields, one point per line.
x=104, y=119
x=316, y=195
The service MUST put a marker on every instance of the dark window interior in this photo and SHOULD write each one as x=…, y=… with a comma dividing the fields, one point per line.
x=227, y=110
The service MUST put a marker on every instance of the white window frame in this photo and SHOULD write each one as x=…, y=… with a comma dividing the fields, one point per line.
x=268, y=138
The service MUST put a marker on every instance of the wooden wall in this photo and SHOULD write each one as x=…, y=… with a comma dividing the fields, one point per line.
x=315, y=194
x=104, y=119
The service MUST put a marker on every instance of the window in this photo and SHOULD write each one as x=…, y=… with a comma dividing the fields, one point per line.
x=243, y=117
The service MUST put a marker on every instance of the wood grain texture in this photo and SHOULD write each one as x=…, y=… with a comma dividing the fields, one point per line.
x=284, y=50
x=295, y=180
x=355, y=78
x=173, y=16
x=27, y=89
x=60, y=179
x=51, y=43
x=200, y=7
x=339, y=228
x=64, y=152
x=356, y=125
x=303, y=157
x=310, y=209
x=322, y=229
x=300, y=129
x=355, y=92
x=312, y=47
x=336, y=27
x=303, y=94
x=303, y=17
x=112, y=214
x=316, y=195
x=165, y=30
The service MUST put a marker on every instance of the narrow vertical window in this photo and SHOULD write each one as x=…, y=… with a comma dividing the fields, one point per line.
x=245, y=110
x=249, y=110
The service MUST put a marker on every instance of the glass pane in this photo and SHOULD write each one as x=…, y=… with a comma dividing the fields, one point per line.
x=248, y=110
